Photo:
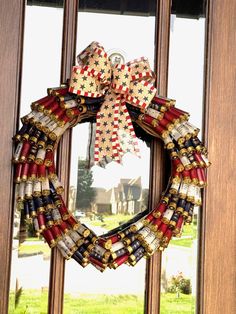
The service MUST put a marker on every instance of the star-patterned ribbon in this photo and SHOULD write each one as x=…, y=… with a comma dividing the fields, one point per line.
x=132, y=82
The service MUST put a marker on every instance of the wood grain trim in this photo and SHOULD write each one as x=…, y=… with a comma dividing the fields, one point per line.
x=218, y=251
x=57, y=269
x=69, y=38
x=153, y=272
x=11, y=38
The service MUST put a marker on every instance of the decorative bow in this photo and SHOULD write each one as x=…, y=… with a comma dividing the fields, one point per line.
x=131, y=82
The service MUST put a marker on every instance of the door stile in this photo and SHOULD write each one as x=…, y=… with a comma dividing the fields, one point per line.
x=157, y=172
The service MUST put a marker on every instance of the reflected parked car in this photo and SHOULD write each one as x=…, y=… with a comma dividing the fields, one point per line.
x=79, y=214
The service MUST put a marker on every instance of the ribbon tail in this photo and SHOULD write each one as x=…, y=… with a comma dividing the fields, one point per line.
x=126, y=135
x=115, y=135
x=105, y=141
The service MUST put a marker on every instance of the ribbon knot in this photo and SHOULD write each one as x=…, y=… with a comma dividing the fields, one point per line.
x=131, y=83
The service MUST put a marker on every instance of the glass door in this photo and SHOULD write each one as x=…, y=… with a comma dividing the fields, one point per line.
x=120, y=191
x=30, y=268
x=181, y=288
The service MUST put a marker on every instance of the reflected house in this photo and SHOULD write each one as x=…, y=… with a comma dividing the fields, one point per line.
x=120, y=197
x=136, y=197
x=128, y=197
x=102, y=202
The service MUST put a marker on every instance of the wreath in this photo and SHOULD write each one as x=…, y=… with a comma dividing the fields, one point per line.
x=123, y=101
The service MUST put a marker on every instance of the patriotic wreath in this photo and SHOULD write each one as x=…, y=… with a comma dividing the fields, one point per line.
x=121, y=99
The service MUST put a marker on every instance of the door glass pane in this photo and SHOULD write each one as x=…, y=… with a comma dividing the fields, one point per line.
x=186, y=61
x=41, y=69
x=121, y=191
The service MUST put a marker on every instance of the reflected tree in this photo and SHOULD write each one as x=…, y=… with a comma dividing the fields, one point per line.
x=85, y=193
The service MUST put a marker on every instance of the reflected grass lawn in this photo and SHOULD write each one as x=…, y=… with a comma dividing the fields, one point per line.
x=186, y=240
x=170, y=304
x=104, y=304
x=36, y=247
x=35, y=302
x=29, y=302
x=108, y=222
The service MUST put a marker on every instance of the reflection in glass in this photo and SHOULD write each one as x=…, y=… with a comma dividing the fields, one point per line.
x=130, y=36
x=105, y=198
x=179, y=261
x=41, y=69
x=119, y=191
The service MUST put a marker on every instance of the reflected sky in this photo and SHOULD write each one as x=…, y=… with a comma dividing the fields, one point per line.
x=132, y=166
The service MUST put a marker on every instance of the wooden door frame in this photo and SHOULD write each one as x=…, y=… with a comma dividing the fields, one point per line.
x=217, y=270
x=157, y=171
x=11, y=38
x=217, y=284
x=57, y=266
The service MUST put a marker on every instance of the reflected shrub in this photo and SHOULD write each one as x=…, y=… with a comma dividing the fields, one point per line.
x=179, y=284
x=185, y=286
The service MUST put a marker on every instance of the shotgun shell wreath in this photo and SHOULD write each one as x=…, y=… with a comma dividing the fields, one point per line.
x=120, y=99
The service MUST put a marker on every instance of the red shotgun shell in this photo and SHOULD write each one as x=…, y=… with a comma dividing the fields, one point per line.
x=49, y=237
x=120, y=260
x=18, y=173
x=33, y=170
x=41, y=221
x=25, y=151
x=49, y=157
x=41, y=172
x=56, y=232
x=25, y=171
x=201, y=176
x=159, y=210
